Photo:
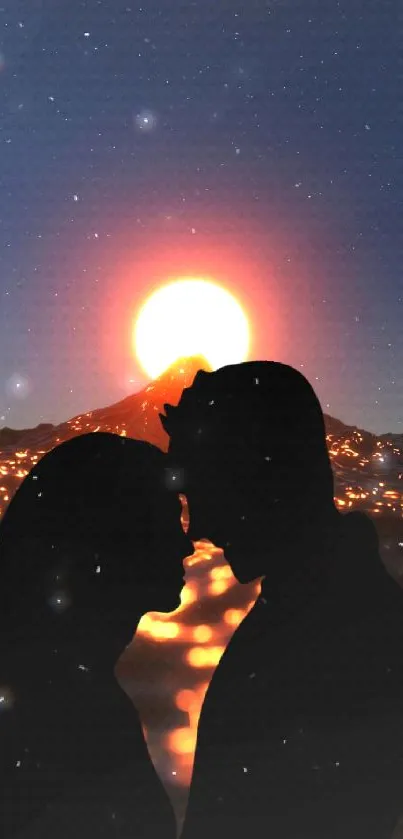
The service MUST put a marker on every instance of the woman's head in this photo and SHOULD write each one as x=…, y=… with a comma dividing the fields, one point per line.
x=249, y=443
x=93, y=532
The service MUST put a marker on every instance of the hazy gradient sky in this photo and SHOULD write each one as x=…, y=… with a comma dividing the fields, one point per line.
x=255, y=142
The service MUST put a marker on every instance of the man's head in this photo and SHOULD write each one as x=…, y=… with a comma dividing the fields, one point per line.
x=248, y=446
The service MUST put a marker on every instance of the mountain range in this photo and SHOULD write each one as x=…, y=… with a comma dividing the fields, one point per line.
x=137, y=416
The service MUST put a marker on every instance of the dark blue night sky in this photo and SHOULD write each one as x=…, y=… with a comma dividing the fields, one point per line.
x=256, y=142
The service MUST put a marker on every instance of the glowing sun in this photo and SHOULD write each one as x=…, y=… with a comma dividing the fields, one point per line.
x=190, y=317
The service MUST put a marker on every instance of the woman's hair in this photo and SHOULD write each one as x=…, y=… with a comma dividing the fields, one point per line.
x=84, y=520
x=263, y=418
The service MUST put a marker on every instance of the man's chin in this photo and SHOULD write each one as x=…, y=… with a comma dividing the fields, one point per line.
x=235, y=557
x=231, y=555
x=166, y=602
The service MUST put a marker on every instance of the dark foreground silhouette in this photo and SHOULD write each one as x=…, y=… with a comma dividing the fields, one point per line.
x=301, y=731
x=91, y=541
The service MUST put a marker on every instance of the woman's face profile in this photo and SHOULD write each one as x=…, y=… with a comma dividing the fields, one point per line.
x=153, y=575
x=166, y=566
x=119, y=576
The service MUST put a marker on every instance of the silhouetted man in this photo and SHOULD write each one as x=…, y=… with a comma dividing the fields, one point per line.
x=91, y=541
x=301, y=732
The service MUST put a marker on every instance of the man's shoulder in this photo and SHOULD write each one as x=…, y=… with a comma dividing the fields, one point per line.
x=362, y=561
x=358, y=525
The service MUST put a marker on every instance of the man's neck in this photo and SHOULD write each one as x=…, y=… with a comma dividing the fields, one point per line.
x=300, y=570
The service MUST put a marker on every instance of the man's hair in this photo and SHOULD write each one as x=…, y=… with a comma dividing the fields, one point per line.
x=257, y=412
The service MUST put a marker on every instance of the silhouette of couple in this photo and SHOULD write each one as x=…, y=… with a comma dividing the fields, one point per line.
x=301, y=731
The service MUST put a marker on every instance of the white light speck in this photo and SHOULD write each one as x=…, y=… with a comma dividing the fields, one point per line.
x=59, y=601
x=18, y=386
x=145, y=121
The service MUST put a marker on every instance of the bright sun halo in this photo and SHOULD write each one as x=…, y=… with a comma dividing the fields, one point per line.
x=190, y=317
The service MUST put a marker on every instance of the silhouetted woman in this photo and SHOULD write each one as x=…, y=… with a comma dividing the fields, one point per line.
x=301, y=732
x=91, y=541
